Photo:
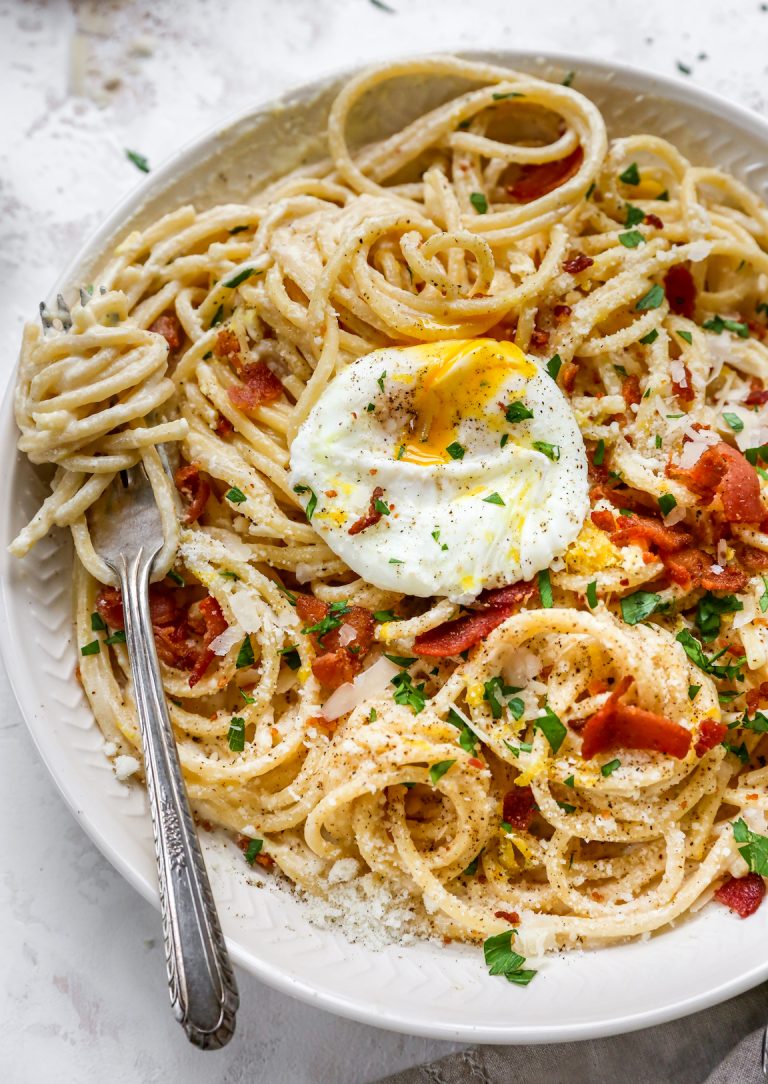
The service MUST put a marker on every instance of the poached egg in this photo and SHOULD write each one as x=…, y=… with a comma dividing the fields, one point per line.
x=444, y=468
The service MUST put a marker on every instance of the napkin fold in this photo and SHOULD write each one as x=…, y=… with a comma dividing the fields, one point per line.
x=721, y=1045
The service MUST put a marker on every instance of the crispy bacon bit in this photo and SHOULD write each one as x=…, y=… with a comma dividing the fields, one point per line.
x=685, y=391
x=509, y=916
x=459, y=635
x=645, y=531
x=754, y=560
x=162, y=606
x=724, y=471
x=337, y=662
x=518, y=808
x=539, y=339
x=692, y=567
x=260, y=385
x=757, y=697
x=371, y=517
x=227, y=344
x=742, y=894
x=758, y=395
x=624, y=726
x=630, y=389
x=603, y=519
x=655, y=221
x=574, y=265
x=224, y=426
x=476, y=762
x=561, y=313
x=535, y=181
x=169, y=326
x=568, y=375
x=710, y=735
x=680, y=290
x=191, y=484
x=214, y=623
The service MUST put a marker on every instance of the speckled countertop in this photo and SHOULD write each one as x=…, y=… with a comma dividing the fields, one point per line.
x=81, y=979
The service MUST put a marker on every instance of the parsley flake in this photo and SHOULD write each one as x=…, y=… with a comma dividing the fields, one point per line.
x=93, y=648
x=552, y=728
x=236, y=734
x=631, y=175
x=138, y=160
x=592, y=595
x=666, y=503
x=755, y=849
x=651, y=337
x=239, y=278
x=517, y=412
x=734, y=421
x=437, y=771
x=254, y=848
x=638, y=606
x=610, y=767
x=479, y=202
x=456, y=450
x=551, y=451
x=235, y=495
x=553, y=365
x=501, y=959
x=651, y=300
x=309, y=511
x=493, y=498
x=631, y=239
x=545, y=589
x=245, y=654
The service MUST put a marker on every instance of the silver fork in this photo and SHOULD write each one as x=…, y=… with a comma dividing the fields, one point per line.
x=127, y=533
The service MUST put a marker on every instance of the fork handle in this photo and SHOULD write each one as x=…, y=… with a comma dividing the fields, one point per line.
x=202, y=984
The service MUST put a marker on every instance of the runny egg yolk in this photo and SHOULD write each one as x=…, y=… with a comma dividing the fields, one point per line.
x=458, y=382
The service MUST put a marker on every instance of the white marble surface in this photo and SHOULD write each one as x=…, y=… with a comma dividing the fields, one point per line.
x=81, y=978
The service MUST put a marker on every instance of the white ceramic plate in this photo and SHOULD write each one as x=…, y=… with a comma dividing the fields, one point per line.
x=423, y=989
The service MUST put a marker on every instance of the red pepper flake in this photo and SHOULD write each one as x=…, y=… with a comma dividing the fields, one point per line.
x=512, y=917
x=561, y=313
x=655, y=221
x=681, y=291
x=539, y=339
x=577, y=263
x=476, y=763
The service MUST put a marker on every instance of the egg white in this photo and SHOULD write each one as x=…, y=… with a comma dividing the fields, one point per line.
x=395, y=419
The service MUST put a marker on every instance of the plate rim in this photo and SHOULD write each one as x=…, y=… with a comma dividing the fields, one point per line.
x=178, y=163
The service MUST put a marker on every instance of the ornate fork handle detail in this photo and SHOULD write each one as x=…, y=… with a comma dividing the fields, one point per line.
x=202, y=984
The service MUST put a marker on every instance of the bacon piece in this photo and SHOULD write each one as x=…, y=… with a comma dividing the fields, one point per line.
x=191, y=484
x=568, y=376
x=742, y=894
x=162, y=606
x=224, y=426
x=518, y=808
x=539, y=339
x=574, y=265
x=655, y=221
x=758, y=395
x=624, y=726
x=371, y=517
x=337, y=662
x=227, y=344
x=685, y=391
x=535, y=181
x=260, y=385
x=757, y=698
x=214, y=624
x=724, y=471
x=710, y=735
x=603, y=519
x=692, y=567
x=561, y=313
x=169, y=326
x=755, y=561
x=630, y=389
x=459, y=635
x=649, y=532
x=509, y=916
x=680, y=290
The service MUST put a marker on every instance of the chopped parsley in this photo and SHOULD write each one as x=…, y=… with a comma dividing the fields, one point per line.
x=117, y=637
x=437, y=771
x=657, y=440
x=138, y=160
x=407, y=693
x=592, y=594
x=698, y=656
x=245, y=654
x=734, y=421
x=384, y=615
x=517, y=412
x=93, y=648
x=718, y=324
x=686, y=336
x=227, y=575
x=634, y=216
x=174, y=575
x=331, y=621
x=631, y=175
x=753, y=454
x=291, y=656
x=217, y=316
x=97, y=623
x=637, y=607
x=764, y=596
x=479, y=202
x=569, y=782
x=516, y=750
x=508, y=94
x=467, y=738
x=248, y=699
x=567, y=807
x=666, y=503
x=240, y=277
x=545, y=589
x=569, y=78
x=552, y=728
x=236, y=734
x=456, y=450
x=599, y=455
x=755, y=849
x=693, y=691
x=235, y=495
x=551, y=451
x=651, y=300
x=471, y=869
x=309, y=511
x=254, y=848
x=708, y=613
x=631, y=239
x=401, y=660
x=501, y=959
x=683, y=68
x=493, y=498
x=496, y=688
x=381, y=507
x=553, y=365
x=651, y=337
x=758, y=723
x=610, y=767
x=238, y=229
x=395, y=561
x=380, y=380
x=504, y=440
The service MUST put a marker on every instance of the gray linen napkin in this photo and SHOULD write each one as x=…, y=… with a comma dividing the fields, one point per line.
x=718, y=1046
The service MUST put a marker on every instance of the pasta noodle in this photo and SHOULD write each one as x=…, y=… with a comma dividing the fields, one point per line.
x=461, y=780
